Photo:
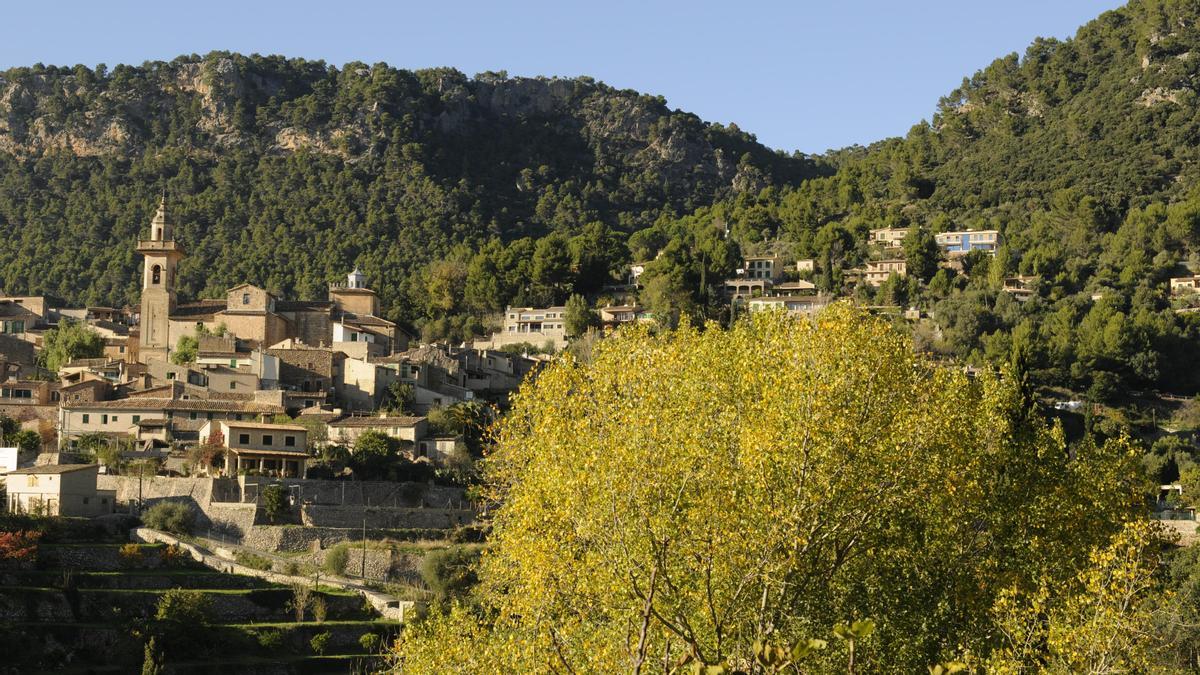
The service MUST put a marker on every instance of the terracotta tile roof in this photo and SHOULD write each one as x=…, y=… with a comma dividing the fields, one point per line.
x=365, y=320
x=302, y=305
x=201, y=308
x=364, y=421
x=232, y=424
x=183, y=405
x=54, y=468
x=255, y=451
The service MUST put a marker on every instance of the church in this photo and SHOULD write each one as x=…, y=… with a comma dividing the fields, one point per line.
x=347, y=321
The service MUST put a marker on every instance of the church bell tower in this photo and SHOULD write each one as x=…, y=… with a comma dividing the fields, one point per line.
x=162, y=255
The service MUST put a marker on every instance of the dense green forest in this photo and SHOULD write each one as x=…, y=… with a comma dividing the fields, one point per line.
x=459, y=195
x=287, y=173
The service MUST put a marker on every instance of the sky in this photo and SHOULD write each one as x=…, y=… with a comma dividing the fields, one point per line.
x=802, y=75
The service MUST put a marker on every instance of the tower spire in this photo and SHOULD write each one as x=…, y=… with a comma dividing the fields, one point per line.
x=162, y=257
x=159, y=229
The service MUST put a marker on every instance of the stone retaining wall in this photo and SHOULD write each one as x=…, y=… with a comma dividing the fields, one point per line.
x=1186, y=529
x=231, y=520
x=357, y=493
x=385, y=518
x=295, y=538
x=154, y=488
x=378, y=567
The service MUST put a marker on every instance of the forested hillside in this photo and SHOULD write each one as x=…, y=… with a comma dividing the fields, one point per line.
x=1082, y=153
x=286, y=172
x=459, y=195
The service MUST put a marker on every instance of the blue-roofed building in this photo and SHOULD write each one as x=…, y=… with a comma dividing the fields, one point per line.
x=965, y=241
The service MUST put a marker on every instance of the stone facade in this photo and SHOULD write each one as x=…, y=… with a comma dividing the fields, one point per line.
x=308, y=368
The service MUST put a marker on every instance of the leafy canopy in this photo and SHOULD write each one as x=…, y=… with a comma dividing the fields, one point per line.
x=692, y=493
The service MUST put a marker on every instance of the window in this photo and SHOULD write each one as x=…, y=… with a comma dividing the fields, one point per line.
x=233, y=363
x=114, y=419
x=31, y=481
x=233, y=385
x=171, y=376
x=85, y=500
x=268, y=439
x=289, y=441
x=137, y=418
x=104, y=419
x=192, y=415
x=86, y=418
x=156, y=274
x=244, y=439
x=121, y=349
x=354, y=337
x=245, y=298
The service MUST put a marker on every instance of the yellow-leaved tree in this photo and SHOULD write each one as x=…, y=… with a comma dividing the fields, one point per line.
x=687, y=497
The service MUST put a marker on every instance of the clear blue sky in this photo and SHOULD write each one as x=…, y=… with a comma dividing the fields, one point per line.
x=805, y=74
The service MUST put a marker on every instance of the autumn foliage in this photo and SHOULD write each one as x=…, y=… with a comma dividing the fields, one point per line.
x=686, y=498
x=19, y=546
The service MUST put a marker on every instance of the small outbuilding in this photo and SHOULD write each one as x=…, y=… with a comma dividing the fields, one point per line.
x=59, y=490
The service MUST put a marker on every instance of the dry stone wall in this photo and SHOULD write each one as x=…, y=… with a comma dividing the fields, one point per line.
x=358, y=493
x=384, y=518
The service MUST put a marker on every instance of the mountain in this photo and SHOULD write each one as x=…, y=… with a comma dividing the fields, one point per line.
x=286, y=172
x=1083, y=154
x=459, y=195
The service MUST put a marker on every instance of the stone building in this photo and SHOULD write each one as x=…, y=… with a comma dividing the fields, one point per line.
x=162, y=255
x=252, y=314
x=266, y=449
x=58, y=490
x=537, y=326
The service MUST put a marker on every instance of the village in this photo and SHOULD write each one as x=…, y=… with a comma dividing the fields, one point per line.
x=255, y=385
x=316, y=437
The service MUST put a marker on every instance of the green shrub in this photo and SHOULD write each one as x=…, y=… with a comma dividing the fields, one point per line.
x=170, y=516
x=291, y=568
x=152, y=661
x=450, y=572
x=319, y=642
x=181, y=622
x=369, y=642
x=274, y=501
x=337, y=558
x=270, y=639
x=183, y=607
